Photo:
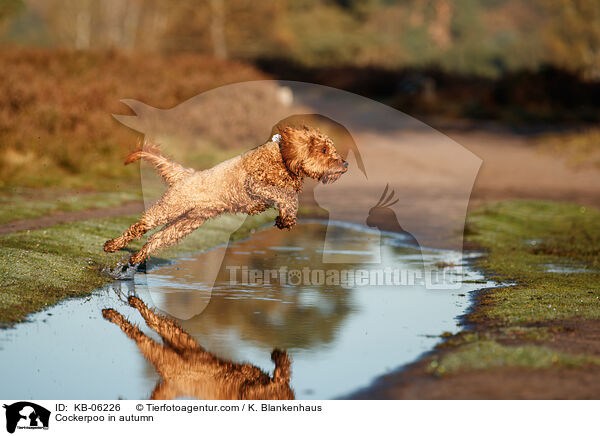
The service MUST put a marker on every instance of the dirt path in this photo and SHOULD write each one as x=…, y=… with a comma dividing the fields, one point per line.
x=415, y=383
x=514, y=167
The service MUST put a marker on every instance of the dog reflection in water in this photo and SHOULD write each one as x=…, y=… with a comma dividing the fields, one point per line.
x=188, y=370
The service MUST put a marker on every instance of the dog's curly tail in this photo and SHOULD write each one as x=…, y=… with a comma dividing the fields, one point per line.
x=170, y=171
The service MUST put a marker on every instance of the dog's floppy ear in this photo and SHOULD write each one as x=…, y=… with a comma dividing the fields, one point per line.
x=290, y=148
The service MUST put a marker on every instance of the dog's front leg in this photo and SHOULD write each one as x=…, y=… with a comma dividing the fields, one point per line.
x=155, y=352
x=284, y=200
x=171, y=333
x=169, y=235
x=288, y=211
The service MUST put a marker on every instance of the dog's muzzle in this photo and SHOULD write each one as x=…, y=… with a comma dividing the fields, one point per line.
x=335, y=173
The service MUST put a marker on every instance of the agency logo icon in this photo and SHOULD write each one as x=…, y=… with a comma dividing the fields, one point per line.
x=26, y=415
x=402, y=176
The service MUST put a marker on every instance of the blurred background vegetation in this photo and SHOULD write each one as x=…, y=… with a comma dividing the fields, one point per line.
x=66, y=64
x=487, y=38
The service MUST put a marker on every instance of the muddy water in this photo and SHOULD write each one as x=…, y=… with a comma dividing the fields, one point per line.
x=339, y=334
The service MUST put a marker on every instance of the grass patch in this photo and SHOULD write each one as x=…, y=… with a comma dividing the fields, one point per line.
x=490, y=354
x=522, y=239
x=38, y=268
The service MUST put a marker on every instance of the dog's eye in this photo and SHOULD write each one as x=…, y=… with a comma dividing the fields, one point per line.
x=324, y=150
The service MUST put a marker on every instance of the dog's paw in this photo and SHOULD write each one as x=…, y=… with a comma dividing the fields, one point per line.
x=257, y=209
x=285, y=222
x=137, y=258
x=111, y=246
x=135, y=302
x=110, y=314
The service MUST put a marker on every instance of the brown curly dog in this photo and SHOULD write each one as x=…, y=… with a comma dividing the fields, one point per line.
x=267, y=176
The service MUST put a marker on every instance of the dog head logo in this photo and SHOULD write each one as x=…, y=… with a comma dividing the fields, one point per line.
x=26, y=415
x=429, y=177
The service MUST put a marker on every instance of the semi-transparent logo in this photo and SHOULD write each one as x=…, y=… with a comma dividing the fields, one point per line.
x=407, y=187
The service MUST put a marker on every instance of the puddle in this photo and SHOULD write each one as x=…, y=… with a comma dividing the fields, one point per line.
x=567, y=269
x=339, y=337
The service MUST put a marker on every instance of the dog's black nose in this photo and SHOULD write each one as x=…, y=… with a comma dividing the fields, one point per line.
x=345, y=165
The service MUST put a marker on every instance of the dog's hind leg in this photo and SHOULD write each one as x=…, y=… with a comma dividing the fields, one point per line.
x=136, y=230
x=153, y=351
x=159, y=213
x=168, y=235
x=169, y=330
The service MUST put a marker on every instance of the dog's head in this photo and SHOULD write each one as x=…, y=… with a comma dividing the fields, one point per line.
x=307, y=152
